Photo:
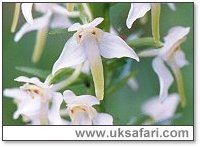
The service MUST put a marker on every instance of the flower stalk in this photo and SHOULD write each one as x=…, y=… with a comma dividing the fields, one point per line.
x=145, y=41
x=68, y=81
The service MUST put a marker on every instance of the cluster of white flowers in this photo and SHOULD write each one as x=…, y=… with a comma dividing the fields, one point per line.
x=40, y=103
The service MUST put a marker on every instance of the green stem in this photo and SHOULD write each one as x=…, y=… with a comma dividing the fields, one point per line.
x=145, y=41
x=121, y=83
x=155, y=21
x=68, y=81
x=179, y=79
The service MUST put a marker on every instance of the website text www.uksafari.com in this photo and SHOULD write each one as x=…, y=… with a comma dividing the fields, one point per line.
x=141, y=133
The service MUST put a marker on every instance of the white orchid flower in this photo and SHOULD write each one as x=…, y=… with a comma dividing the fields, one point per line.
x=89, y=44
x=81, y=112
x=160, y=111
x=138, y=10
x=33, y=102
x=171, y=54
x=53, y=16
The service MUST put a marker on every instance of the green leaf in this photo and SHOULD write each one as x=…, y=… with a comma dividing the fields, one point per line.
x=118, y=14
x=114, y=64
x=33, y=71
x=120, y=83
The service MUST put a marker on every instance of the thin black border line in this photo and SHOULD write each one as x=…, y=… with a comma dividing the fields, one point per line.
x=112, y=125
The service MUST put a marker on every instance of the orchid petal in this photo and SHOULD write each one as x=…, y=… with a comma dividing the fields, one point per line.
x=81, y=118
x=92, y=24
x=72, y=54
x=16, y=93
x=161, y=111
x=91, y=48
x=102, y=119
x=112, y=46
x=136, y=11
x=54, y=113
x=164, y=75
x=33, y=80
x=30, y=108
x=113, y=31
x=27, y=12
x=180, y=59
x=71, y=98
x=59, y=9
x=37, y=24
x=74, y=27
x=60, y=21
x=174, y=35
x=86, y=67
x=172, y=6
x=34, y=121
x=22, y=97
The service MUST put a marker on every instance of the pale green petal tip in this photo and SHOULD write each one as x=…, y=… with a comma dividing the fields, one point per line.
x=100, y=94
x=70, y=7
x=15, y=17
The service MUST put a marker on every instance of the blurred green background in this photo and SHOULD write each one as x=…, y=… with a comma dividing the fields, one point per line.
x=124, y=104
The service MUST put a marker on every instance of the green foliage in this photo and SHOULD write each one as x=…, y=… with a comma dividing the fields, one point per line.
x=40, y=73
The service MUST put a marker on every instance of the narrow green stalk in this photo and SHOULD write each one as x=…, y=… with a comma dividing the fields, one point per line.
x=179, y=79
x=15, y=17
x=68, y=81
x=155, y=21
x=145, y=41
